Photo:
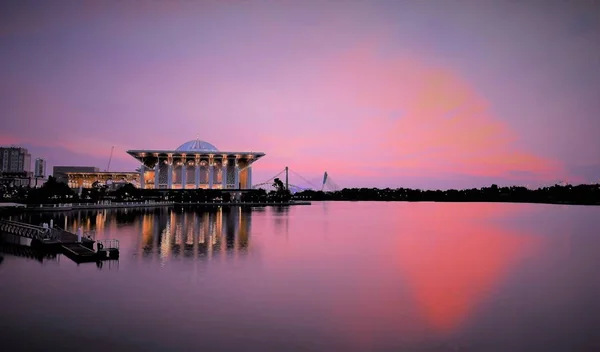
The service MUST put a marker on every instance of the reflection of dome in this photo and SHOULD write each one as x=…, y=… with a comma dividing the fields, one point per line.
x=197, y=146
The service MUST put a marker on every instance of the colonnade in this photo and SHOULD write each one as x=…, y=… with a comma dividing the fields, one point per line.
x=223, y=172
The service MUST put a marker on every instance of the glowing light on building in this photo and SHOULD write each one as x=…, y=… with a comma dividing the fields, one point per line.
x=195, y=164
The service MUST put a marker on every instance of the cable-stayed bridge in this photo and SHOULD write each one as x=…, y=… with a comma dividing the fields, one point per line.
x=297, y=183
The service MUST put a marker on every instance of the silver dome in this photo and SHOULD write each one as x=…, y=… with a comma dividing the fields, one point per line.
x=197, y=146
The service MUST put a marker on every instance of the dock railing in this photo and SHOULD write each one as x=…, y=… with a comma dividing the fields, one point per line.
x=27, y=230
x=99, y=205
x=108, y=244
x=91, y=235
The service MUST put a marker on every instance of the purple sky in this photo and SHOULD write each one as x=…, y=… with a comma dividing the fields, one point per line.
x=430, y=94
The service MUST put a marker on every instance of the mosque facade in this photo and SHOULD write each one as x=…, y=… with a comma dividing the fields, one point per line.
x=195, y=164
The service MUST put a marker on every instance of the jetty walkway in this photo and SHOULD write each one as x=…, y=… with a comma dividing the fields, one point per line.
x=147, y=204
x=241, y=204
x=99, y=205
x=50, y=239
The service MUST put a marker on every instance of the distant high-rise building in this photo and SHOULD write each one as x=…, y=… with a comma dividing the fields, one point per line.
x=40, y=168
x=15, y=166
x=14, y=159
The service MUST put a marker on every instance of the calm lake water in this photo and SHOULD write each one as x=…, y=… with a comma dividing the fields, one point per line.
x=334, y=276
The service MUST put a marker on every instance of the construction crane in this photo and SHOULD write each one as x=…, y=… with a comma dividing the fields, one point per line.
x=110, y=157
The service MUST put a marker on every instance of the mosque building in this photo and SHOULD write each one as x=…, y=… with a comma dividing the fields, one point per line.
x=195, y=164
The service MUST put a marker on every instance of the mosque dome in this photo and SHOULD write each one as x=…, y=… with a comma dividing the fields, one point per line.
x=197, y=146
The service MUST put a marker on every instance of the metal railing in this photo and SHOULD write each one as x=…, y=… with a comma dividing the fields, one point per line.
x=27, y=230
x=99, y=205
x=90, y=235
x=108, y=244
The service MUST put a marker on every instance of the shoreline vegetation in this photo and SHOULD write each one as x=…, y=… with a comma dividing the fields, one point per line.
x=55, y=193
x=557, y=194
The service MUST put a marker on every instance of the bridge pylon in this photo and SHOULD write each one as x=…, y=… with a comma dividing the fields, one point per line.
x=327, y=183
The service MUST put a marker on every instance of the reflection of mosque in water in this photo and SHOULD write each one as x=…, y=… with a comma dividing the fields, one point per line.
x=192, y=234
x=161, y=232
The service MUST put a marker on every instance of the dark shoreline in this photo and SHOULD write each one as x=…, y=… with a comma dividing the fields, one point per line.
x=12, y=210
x=459, y=201
x=557, y=194
x=61, y=207
x=128, y=196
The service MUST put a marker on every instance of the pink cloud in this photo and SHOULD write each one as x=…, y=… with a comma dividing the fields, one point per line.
x=402, y=115
x=445, y=125
x=6, y=139
x=313, y=106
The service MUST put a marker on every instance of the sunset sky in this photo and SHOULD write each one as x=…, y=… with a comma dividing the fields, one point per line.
x=428, y=94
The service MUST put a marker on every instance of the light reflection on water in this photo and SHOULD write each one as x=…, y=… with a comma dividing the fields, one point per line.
x=164, y=234
x=331, y=276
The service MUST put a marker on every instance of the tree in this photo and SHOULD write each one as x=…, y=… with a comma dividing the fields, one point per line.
x=51, y=190
x=281, y=193
x=127, y=191
x=278, y=185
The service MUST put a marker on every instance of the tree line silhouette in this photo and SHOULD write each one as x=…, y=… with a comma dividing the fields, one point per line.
x=567, y=194
x=54, y=192
x=57, y=192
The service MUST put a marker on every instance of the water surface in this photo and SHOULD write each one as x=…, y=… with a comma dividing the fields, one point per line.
x=334, y=276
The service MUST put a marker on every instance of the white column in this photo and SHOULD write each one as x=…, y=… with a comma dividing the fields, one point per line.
x=142, y=172
x=224, y=174
x=236, y=175
x=157, y=173
x=170, y=171
x=211, y=172
x=197, y=174
x=249, y=177
x=183, y=174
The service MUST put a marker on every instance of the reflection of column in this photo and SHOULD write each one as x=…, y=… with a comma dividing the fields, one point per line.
x=157, y=173
x=233, y=232
x=183, y=173
x=223, y=233
x=243, y=229
x=142, y=171
x=211, y=171
x=195, y=236
x=170, y=171
x=224, y=173
x=209, y=236
x=197, y=171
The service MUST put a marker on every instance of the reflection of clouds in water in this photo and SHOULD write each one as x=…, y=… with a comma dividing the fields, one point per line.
x=445, y=262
